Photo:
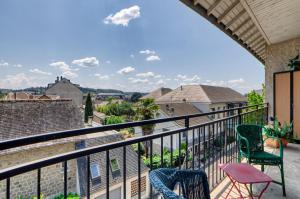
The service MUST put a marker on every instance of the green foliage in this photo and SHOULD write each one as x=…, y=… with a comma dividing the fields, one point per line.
x=255, y=98
x=276, y=130
x=177, y=160
x=88, y=110
x=135, y=97
x=117, y=109
x=113, y=120
x=69, y=196
x=31, y=197
x=294, y=63
x=146, y=109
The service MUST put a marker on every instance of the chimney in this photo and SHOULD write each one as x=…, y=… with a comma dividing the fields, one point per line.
x=15, y=95
x=181, y=88
x=61, y=78
x=57, y=79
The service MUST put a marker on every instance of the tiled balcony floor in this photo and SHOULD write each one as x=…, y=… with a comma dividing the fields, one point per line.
x=292, y=178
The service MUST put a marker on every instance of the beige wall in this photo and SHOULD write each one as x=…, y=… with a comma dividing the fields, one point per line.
x=51, y=176
x=277, y=57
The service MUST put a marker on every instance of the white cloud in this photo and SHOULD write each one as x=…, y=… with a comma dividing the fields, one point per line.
x=86, y=62
x=181, y=76
x=38, y=71
x=20, y=80
x=18, y=65
x=66, y=70
x=108, y=62
x=126, y=70
x=195, y=78
x=102, y=77
x=132, y=56
x=138, y=81
x=146, y=74
x=147, y=52
x=236, y=81
x=3, y=64
x=161, y=82
x=153, y=58
x=124, y=16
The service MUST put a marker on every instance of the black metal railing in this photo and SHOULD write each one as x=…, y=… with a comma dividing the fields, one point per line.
x=205, y=146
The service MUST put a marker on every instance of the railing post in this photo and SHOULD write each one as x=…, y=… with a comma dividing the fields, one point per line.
x=239, y=115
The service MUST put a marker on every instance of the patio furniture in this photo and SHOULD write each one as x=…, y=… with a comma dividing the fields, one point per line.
x=251, y=146
x=193, y=183
x=243, y=173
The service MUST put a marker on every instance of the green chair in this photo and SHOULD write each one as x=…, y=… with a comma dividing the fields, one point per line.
x=251, y=147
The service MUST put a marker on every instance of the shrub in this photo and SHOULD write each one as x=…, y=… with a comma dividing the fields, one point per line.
x=69, y=196
x=113, y=120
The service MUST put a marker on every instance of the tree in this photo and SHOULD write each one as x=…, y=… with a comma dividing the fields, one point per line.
x=146, y=110
x=88, y=110
x=135, y=97
x=255, y=98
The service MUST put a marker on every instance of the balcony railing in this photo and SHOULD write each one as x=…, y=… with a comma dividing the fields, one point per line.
x=205, y=146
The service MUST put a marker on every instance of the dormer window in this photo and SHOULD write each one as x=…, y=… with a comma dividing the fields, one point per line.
x=95, y=172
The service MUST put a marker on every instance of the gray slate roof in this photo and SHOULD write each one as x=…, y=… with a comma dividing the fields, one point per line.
x=178, y=109
x=202, y=93
x=157, y=93
x=31, y=117
x=100, y=159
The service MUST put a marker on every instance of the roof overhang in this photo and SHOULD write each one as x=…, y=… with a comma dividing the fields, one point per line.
x=253, y=24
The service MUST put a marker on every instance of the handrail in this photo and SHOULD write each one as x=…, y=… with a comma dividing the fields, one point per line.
x=18, y=142
x=30, y=166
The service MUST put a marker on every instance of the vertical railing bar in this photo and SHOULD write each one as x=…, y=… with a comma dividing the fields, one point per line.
x=171, y=143
x=193, y=150
x=124, y=172
x=8, y=188
x=88, y=163
x=209, y=174
x=161, y=152
x=204, y=148
x=39, y=183
x=186, y=150
x=139, y=171
x=199, y=148
x=107, y=174
x=214, y=154
x=179, y=140
x=151, y=166
x=65, y=179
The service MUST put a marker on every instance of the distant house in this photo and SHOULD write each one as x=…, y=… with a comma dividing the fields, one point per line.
x=205, y=98
x=106, y=96
x=116, y=175
x=65, y=89
x=156, y=94
x=19, y=96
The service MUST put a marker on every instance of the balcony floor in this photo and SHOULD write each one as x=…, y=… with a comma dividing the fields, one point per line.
x=292, y=177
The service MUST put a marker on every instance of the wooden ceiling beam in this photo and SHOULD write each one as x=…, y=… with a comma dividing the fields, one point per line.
x=224, y=14
x=250, y=36
x=257, y=42
x=236, y=17
x=246, y=31
x=259, y=51
x=261, y=46
x=234, y=31
x=213, y=6
x=250, y=42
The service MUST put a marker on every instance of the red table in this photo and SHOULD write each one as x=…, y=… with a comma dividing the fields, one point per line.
x=242, y=173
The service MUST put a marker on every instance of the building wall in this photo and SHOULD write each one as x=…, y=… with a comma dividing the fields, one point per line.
x=52, y=182
x=66, y=90
x=277, y=57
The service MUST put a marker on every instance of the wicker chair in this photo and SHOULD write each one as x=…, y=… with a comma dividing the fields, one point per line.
x=251, y=147
x=193, y=183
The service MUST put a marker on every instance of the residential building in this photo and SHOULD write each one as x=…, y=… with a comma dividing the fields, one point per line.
x=116, y=173
x=65, y=89
x=106, y=96
x=156, y=94
x=205, y=98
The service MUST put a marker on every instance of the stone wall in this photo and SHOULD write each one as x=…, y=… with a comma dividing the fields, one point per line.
x=277, y=57
x=51, y=176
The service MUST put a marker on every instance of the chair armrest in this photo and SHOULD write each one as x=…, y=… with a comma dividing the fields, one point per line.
x=280, y=144
x=247, y=143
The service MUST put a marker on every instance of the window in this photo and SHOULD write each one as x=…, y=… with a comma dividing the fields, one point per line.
x=95, y=172
x=114, y=165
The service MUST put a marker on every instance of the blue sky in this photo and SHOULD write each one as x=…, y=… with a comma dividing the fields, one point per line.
x=132, y=45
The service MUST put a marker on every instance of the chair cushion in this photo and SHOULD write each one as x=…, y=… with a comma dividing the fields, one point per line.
x=264, y=157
